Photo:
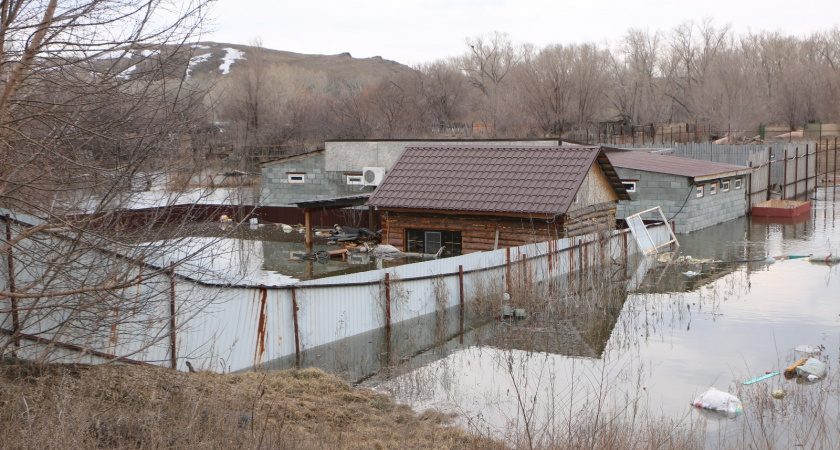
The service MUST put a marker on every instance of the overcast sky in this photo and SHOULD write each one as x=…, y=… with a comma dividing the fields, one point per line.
x=413, y=31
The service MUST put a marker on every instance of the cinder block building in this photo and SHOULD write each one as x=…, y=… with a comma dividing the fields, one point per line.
x=693, y=194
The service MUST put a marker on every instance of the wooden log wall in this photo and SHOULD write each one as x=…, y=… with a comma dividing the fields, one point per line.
x=478, y=233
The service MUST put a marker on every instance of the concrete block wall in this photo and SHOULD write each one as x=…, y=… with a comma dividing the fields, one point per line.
x=678, y=200
x=318, y=183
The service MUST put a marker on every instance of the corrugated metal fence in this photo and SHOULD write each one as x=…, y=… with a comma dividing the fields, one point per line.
x=237, y=327
x=789, y=170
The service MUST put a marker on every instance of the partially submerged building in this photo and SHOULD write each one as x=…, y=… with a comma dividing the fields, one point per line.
x=349, y=167
x=471, y=199
x=693, y=194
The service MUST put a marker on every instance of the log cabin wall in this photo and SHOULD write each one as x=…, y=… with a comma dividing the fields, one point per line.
x=590, y=219
x=478, y=233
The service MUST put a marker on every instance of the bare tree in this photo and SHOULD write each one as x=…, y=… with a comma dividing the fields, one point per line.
x=93, y=97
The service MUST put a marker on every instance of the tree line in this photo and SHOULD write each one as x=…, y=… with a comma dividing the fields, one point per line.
x=697, y=73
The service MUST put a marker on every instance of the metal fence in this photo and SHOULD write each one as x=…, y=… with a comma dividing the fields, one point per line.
x=787, y=171
x=238, y=327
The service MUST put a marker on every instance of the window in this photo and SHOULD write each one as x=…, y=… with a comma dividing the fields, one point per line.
x=724, y=186
x=296, y=178
x=700, y=191
x=430, y=241
x=737, y=183
x=629, y=186
x=712, y=188
x=354, y=179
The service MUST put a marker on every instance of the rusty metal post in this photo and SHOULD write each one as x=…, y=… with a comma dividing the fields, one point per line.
x=172, y=338
x=461, y=299
x=388, y=302
x=297, y=329
x=10, y=259
x=550, y=264
x=507, y=269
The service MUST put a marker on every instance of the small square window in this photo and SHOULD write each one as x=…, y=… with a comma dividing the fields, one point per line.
x=737, y=183
x=354, y=179
x=724, y=186
x=296, y=178
x=629, y=186
x=700, y=191
x=712, y=188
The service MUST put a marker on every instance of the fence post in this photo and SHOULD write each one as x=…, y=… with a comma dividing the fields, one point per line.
x=796, y=174
x=388, y=302
x=297, y=330
x=784, y=180
x=749, y=189
x=172, y=338
x=808, y=170
x=769, y=172
x=12, y=287
x=461, y=299
x=507, y=269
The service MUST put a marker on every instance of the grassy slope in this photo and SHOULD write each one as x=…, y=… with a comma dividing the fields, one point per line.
x=70, y=406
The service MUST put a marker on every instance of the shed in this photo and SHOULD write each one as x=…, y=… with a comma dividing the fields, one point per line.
x=694, y=194
x=471, y=199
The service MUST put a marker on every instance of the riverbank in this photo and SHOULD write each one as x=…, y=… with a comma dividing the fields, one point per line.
x=78, y=406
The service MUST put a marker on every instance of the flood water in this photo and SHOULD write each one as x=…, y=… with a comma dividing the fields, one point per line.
x=681, y=330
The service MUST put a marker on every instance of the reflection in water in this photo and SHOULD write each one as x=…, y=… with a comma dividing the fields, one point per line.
x=591, y=355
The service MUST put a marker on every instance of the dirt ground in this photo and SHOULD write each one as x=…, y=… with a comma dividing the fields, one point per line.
x=118, y=406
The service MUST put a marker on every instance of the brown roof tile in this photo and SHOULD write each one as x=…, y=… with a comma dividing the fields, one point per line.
x=526, y=180
x=673, y=165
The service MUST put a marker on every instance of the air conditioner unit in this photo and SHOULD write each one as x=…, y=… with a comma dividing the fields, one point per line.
x=373, y=175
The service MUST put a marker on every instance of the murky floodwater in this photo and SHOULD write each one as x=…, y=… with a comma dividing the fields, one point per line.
x=683, y=329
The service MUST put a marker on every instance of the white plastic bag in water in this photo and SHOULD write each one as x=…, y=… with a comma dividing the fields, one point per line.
x=715, y=400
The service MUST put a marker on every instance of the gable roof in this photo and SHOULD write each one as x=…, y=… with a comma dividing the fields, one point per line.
x=673, y=165
x=508, y=180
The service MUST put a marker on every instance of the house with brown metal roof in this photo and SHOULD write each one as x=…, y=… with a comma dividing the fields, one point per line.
x=470, y=199
x=692, y=193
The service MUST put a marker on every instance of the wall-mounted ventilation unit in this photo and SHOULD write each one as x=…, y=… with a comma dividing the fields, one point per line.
x=373, y=175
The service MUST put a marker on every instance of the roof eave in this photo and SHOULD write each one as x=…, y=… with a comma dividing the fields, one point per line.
x=470, y=213
x=717, y=176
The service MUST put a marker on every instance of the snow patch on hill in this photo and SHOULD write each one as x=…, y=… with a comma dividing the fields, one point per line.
x=231, y=55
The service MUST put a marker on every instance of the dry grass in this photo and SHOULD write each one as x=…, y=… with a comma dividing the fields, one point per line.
x=72, y=406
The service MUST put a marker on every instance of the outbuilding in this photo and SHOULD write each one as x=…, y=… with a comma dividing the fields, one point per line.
x=693, y=194
x=471, y=199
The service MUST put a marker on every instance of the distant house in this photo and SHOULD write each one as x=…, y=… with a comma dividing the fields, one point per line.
x=471, y=199
x=348, y=167
x=692, y=193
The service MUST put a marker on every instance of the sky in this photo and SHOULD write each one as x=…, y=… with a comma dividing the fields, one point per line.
x=414, y=32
